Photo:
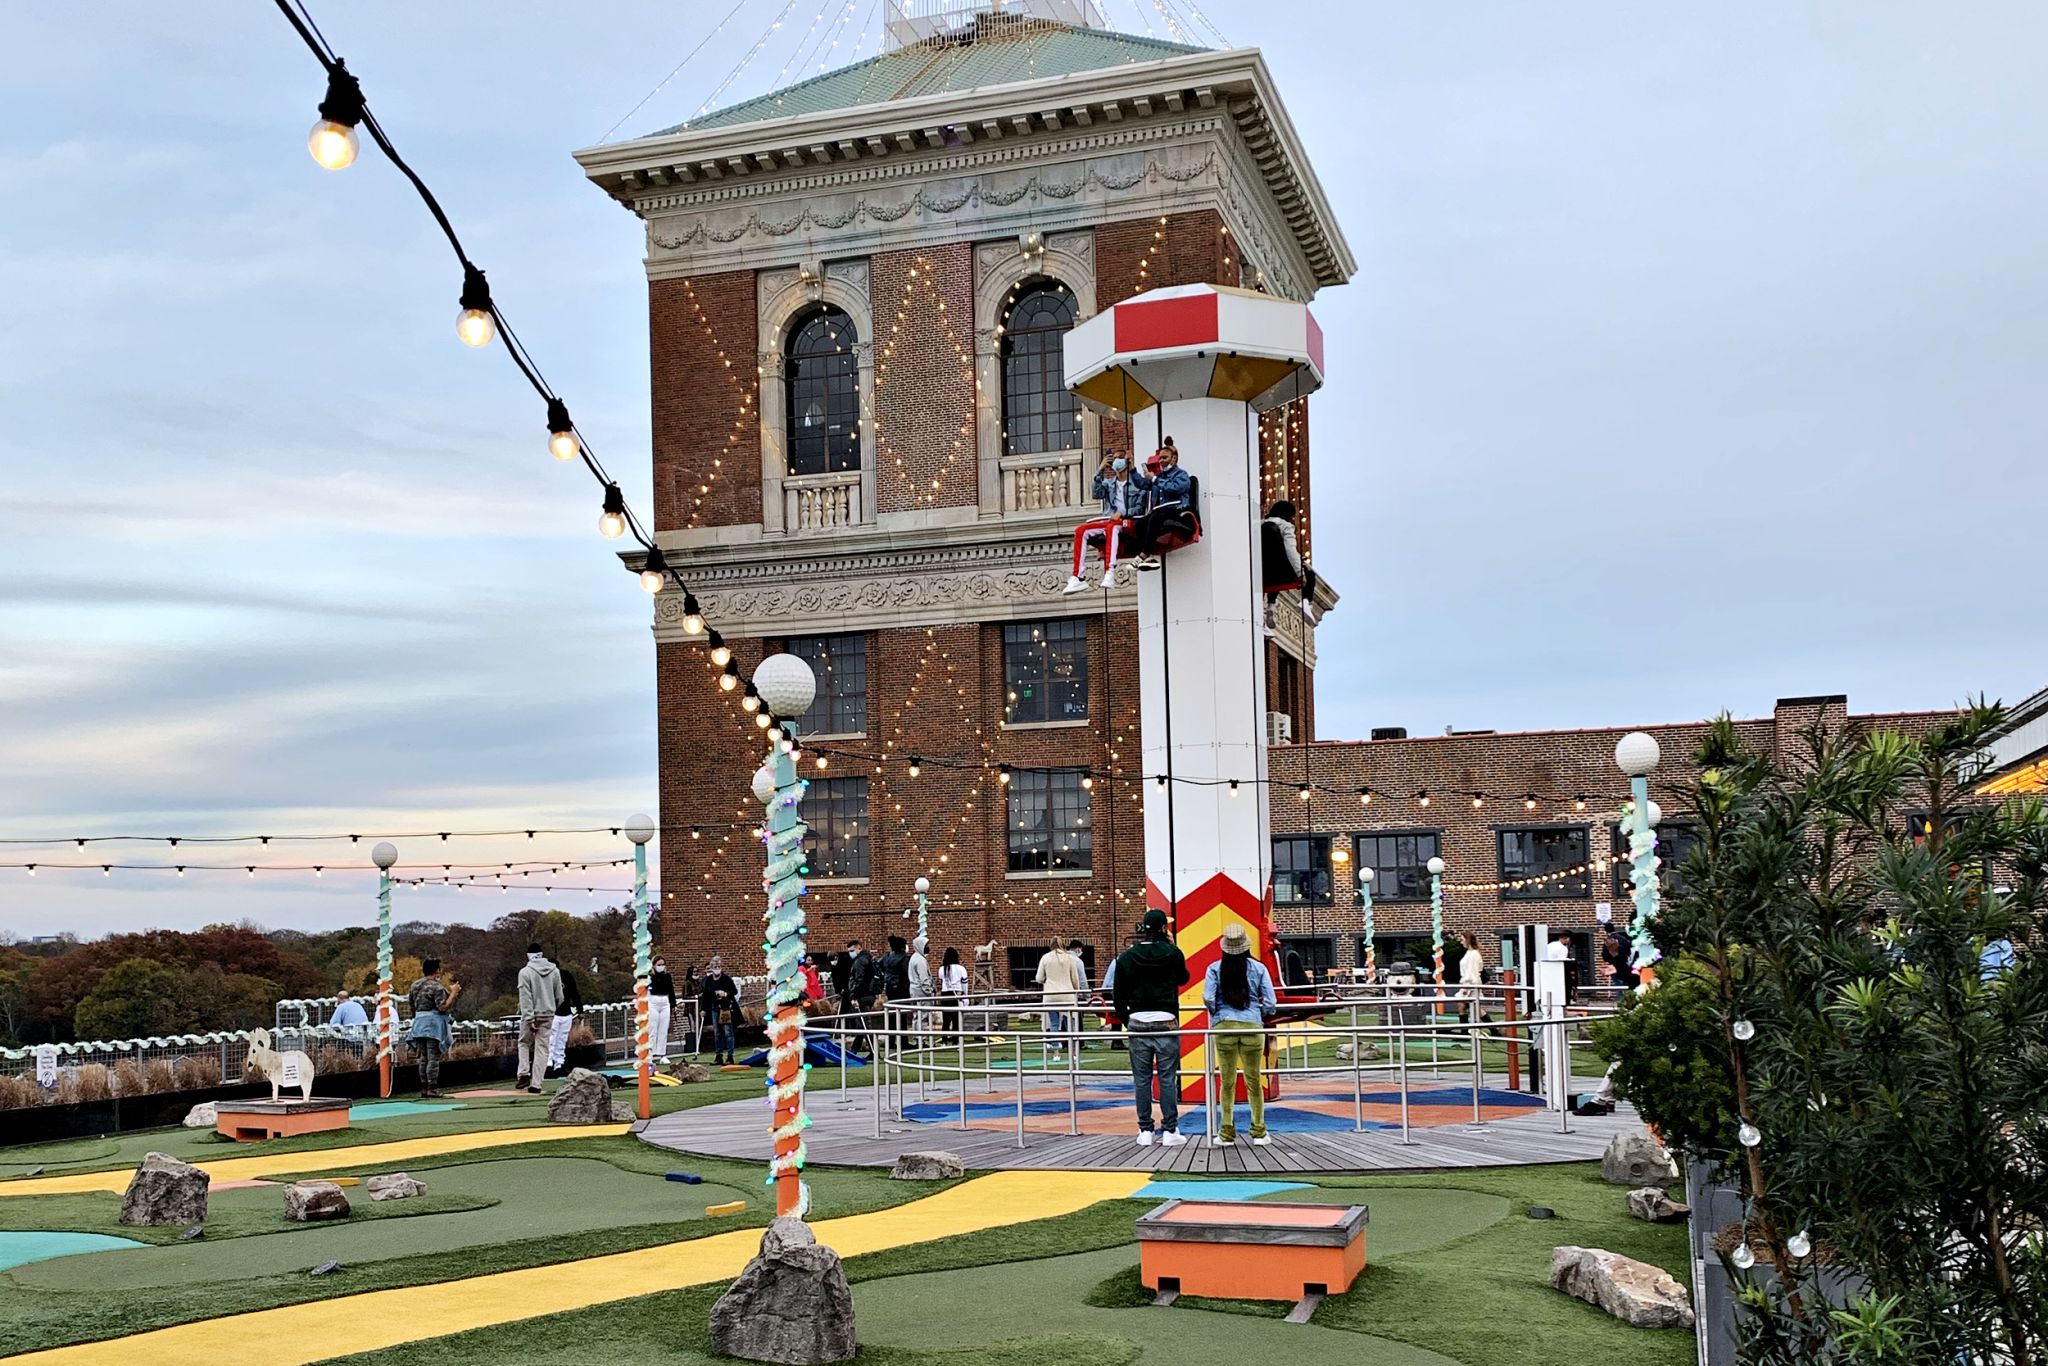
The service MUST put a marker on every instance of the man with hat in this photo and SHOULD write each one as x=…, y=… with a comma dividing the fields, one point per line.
x=1144, y=985
x=1238, y=994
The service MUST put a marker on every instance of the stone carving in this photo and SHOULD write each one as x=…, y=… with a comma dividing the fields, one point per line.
x=1636, y=1160
x=1634, y=1292
x=287, y=1068
x=166, y=1191
x=791, y=1305
x=310, y=1202
x=394, y=1186
x=933, y=1166
x=1652, y=1205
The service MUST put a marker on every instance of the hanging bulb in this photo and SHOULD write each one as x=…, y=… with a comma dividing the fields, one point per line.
x=1161, y=781
x=1478, y=800
x=1003, y=775
x=916, y=765
x=1578, y=804
x=612, y=524
x=1422, y=799
x=476, y=326
x=333, y=139
x=1799, y=1244
x=1748, y=1135
x=1744, y=1030
x=1233, y=787
x=762, y=719
x=693, y=615
x=1302, y=791
x=751, y=701
x=1365, y=796
x=562, y=443
x=1529, y=802
x=729, y=677
x=721, y=653
x=654, y=572
x=1743, y=1258
x=821, y=761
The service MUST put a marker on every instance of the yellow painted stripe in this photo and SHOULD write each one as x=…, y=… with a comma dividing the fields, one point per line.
x=321, y=1159
x=301, y=1333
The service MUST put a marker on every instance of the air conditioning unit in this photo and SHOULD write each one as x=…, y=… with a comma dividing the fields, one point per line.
x=1279, y=728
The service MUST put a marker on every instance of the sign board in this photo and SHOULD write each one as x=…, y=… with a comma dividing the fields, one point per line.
x=288, y=1071
x=46, y=1067
x=1603, y=911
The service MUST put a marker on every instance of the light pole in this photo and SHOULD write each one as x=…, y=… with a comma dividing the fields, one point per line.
x=384, y=855
x=1637, y=755
x=1365, y=900
x=640, y=830
x=923, y=886
x=1436, y=926
x=786, y=687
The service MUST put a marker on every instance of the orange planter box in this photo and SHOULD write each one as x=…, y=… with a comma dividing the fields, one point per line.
x=247, y=1121
x=1233, y=1250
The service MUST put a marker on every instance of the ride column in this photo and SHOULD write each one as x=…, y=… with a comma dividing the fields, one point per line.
x=1199, y=363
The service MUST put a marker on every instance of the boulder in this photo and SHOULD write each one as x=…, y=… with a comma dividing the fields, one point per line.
x=1636, y=1160
x=927, y=1167
x=165, y=1191
x=307, y=1202
x=791, y=1305
x=202, y=1116
x=690, y=1072
x=585, y=1098
x=1634, y=1292
x=1652, y=1205
x=394, y=1186
x=1371, y=1053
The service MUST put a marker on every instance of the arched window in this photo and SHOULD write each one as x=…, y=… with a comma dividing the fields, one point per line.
x=821, y=383
x=1039, y=413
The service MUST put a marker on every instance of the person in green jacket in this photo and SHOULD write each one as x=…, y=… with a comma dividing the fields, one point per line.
x=1144, y=986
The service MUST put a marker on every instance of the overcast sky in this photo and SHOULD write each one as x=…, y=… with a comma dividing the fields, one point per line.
x=1695, y=359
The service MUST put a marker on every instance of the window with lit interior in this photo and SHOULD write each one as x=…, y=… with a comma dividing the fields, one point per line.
x=1045, y=671
x=836, y=809
x=1049, y=822
x=1675, y=840
x=1399, y=860
x=840, y=664
x=821, y=380
x=1545, y=852
x=1301, y=870
x=1040, y=413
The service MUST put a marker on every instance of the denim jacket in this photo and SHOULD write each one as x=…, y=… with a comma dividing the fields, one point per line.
x=1263, y=1002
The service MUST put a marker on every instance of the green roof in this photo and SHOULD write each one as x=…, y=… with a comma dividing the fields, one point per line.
x=994, y=57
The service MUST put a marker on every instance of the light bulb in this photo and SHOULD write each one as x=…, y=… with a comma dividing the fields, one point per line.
x=693, y=616
x=1744, y=1030
x=1743, y=1258
x=1748, y=1135
x=332, y=144
x=752, y=701
x=721, y=653
x=611, y=523
x=562, y=443
x=727, y=682
x=476, y=327
x=916, y=766
x=1799, y=1244
x=761, y=718
x=1302, y=792
x=653, y=580
x=1233, y=787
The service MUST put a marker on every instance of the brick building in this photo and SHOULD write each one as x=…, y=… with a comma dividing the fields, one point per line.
x=1537, y=808
x=864, y=453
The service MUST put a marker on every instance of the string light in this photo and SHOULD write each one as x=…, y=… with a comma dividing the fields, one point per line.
x=729, y=676
x=612, y=523
x=693, y=614
x=721, y=653
x=654, y=572
x=1422, y=798
x=476, y=325
x=333, y=140
x=562, y=443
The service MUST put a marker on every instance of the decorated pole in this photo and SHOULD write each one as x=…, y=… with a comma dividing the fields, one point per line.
x=1436, y=927
x=1199, y=363
x=923, y=886
x=1365, y=899
x=1636, y=755
x=786, y=686
x=640, y=830
x=384, y=855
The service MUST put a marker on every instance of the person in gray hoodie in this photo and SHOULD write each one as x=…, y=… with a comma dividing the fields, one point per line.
x=540, y=992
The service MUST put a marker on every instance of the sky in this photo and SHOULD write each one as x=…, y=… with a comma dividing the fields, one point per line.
x=1693, y=361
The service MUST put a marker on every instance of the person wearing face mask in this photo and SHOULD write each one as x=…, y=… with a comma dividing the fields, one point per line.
x=1118, y=487
x=661, y=1005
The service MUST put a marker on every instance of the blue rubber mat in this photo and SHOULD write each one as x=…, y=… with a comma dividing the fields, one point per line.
x=18, y=1249
x=1216, y=1190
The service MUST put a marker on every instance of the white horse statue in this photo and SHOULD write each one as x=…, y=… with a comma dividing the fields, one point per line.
x=288, y=1068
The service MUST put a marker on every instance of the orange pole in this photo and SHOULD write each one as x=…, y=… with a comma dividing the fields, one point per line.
x=640, y=1043
x=788, y=1184
x=1507, y=979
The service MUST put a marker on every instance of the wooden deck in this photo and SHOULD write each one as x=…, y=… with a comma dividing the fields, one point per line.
x=843, y=1135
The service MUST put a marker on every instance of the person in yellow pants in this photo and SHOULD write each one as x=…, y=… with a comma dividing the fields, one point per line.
x=1238, y=994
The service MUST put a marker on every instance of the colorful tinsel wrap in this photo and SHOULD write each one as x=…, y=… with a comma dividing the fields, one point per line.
x=1436, y=933
x=1371, y=961
x=643, y=965
x=385, y=1009
x=782, y=839
x=1643, y=867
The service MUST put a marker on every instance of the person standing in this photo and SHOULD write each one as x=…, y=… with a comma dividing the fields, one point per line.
x=431, y=1034
x=1471, y=976
x=859, y=998
x=952, y=990
x=721, y=1002
x=921, y=985
x=1238, y=994
x=565, y=1018
x=1059, y=978
x=661, y=1008
x=540, y=992
x=814, y=986
x=1619, y=956
x=1144, y=985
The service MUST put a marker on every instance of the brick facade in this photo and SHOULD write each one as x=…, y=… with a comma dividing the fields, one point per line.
x=705, y=397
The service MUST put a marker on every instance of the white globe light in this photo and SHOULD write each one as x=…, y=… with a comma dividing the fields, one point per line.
x=385, y=854
x=764, y=785
x=1365, y=875
x=786, y=685
x=1436, y=866
x=639, y=829
x=1656, y=815
x=923, y=885
x=1637, y=754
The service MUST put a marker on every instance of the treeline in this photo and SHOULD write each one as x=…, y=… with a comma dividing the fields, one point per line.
x=231, y=976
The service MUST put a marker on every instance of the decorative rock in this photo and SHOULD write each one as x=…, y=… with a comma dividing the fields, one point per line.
x=690, y=1072
x=791, y=1305
x=202, y=1116
x=166, y=1191
x=927, y=1167
x=1652, y=1205
x=307, y=1202
x=585, y=1098
x=1636, y=1160
x=325, y=1269
x=1635, y=1292
x=394, y=1186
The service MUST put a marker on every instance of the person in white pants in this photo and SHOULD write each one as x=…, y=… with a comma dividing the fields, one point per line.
x=661, y=1004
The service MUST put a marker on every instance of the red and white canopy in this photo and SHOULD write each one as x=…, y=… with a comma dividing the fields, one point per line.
x=1195, y=341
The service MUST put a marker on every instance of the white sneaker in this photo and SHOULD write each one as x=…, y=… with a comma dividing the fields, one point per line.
x=1221, y=1142
x=1144, y=1138
x=1075, y=584
x=1170, y=1139
x=1308, y=611
x=1109, y=579
x=1262, y=1140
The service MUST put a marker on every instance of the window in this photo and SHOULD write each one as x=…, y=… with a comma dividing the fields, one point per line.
x=1399, y=863
x=1539, y=852
x=1301, y=870
x=1412, y=949
x=1049, y=829
x=1675, y=840
x=1023, y=961
x=1040, y=413
x=1288, y=695
x=837, y=811
x=821, y=379
x=1306, y=958
x=1045, y=671
x=841, y=664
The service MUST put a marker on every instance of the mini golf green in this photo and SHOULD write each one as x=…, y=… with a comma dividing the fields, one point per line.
x=19, y=1249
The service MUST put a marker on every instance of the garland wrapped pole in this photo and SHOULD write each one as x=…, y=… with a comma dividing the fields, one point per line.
x=640, y=830
x=923, y=886
x=1636, y=756
x=787, y=687
x=384, y=855
x=1365, y=900
x=1436, y=926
